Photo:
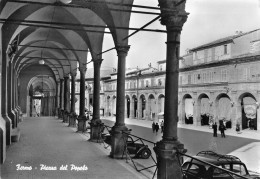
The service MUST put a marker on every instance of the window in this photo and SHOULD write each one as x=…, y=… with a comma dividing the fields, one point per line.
x=159, y=82
x=189, y=79
x=146, y=83
x=224, y=75
x=225, y=49
x=180, y=80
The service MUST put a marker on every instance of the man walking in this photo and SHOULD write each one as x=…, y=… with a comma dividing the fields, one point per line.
x=222, y=129
x=215, y=128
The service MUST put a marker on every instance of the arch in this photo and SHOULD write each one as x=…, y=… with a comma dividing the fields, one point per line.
x=187, y=104
x=135, y=106
x=204, y=109
x=113, y=109
x=142, y=107
x=247, y=106
x=127, y=98
x=151, y=107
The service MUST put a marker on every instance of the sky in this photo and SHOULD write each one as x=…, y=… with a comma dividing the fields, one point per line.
x=208, y=20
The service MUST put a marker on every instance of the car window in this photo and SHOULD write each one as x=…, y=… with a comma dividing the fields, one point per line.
x=218, y=173
x=195, y=169
x=185, y=165
x=239, y=169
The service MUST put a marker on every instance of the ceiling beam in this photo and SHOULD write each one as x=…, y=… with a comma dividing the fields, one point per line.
x=90, y=6
x=33, y=46
x=49, y=58
x=34, y=22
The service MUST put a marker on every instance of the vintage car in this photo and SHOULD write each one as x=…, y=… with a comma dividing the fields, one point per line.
x=195, y=168
x=135, y=148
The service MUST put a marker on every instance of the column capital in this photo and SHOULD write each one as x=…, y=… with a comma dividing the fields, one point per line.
x=83, y=69
x=98, y=61
x=173, y=14
x=122, y=48
x=73, y=73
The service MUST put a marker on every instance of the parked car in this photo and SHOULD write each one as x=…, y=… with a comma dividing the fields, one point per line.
x=135, y=149
x=195, y=169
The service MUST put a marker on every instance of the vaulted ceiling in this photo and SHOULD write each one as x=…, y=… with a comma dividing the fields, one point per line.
x=61, y=34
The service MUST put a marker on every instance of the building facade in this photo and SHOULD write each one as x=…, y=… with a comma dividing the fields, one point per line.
x=217, y=81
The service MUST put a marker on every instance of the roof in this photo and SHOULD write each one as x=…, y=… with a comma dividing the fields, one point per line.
x=103, y=73
x=162, y=61
x=135, y=71
x=222, y=40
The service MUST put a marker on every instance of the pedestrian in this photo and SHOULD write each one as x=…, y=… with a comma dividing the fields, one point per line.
x=153, y=127
x=215, y=128
x=162, y=125
x=222, y=129
x=156, y=128
x=238, y=127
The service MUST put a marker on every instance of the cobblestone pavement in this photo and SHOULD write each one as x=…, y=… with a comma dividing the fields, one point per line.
x=47, y=146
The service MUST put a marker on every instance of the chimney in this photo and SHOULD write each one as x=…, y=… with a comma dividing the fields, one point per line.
x=238, y=32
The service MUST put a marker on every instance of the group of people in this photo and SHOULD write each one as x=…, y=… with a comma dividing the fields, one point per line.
x=221, y=128
x=155, y=127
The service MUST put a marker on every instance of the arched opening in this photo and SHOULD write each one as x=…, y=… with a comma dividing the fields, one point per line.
x=114, y=106
x=108, y=106
x=160, y=106
x=204, y=109
x=127, y=106
x=142, y=106
x=248, y=111
x=151, y=107
x=187, y=105
x=223, y=110
x=135, y=106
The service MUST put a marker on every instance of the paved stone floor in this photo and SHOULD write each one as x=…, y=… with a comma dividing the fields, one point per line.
x=46, y=143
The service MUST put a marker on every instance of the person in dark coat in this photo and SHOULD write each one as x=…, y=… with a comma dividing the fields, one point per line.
x=222, y=129
x=215, y=128
x=153, y=127
x=156, y=128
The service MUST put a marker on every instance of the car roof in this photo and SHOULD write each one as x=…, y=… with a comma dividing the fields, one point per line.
x=215, y=158
x=214, y=161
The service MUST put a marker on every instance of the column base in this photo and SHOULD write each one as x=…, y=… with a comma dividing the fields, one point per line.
x=2, y=140
x=65, y=117
x=15, y=135
x=168, y=163
x=96, y=130
x=118, y=138
x=8, y=124
x=72, y=119
x=82, y=124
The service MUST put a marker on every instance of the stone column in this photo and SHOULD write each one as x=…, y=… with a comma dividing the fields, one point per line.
x=72, y=104
x=196, y=113
x=13, y=95
x=117, y=140
x=61, y=98
x=132, y=103
x=17, y=108
x=10, y=111
x=57, y=98
x=167, y=160
x=126, y=107
x=8, y=121
x=82, y=117
x=95, y=133
x=66, y=99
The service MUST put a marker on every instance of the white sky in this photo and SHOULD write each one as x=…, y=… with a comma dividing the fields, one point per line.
x=208, y=20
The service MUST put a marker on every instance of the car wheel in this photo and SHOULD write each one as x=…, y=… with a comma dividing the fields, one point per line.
x=146, y=153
